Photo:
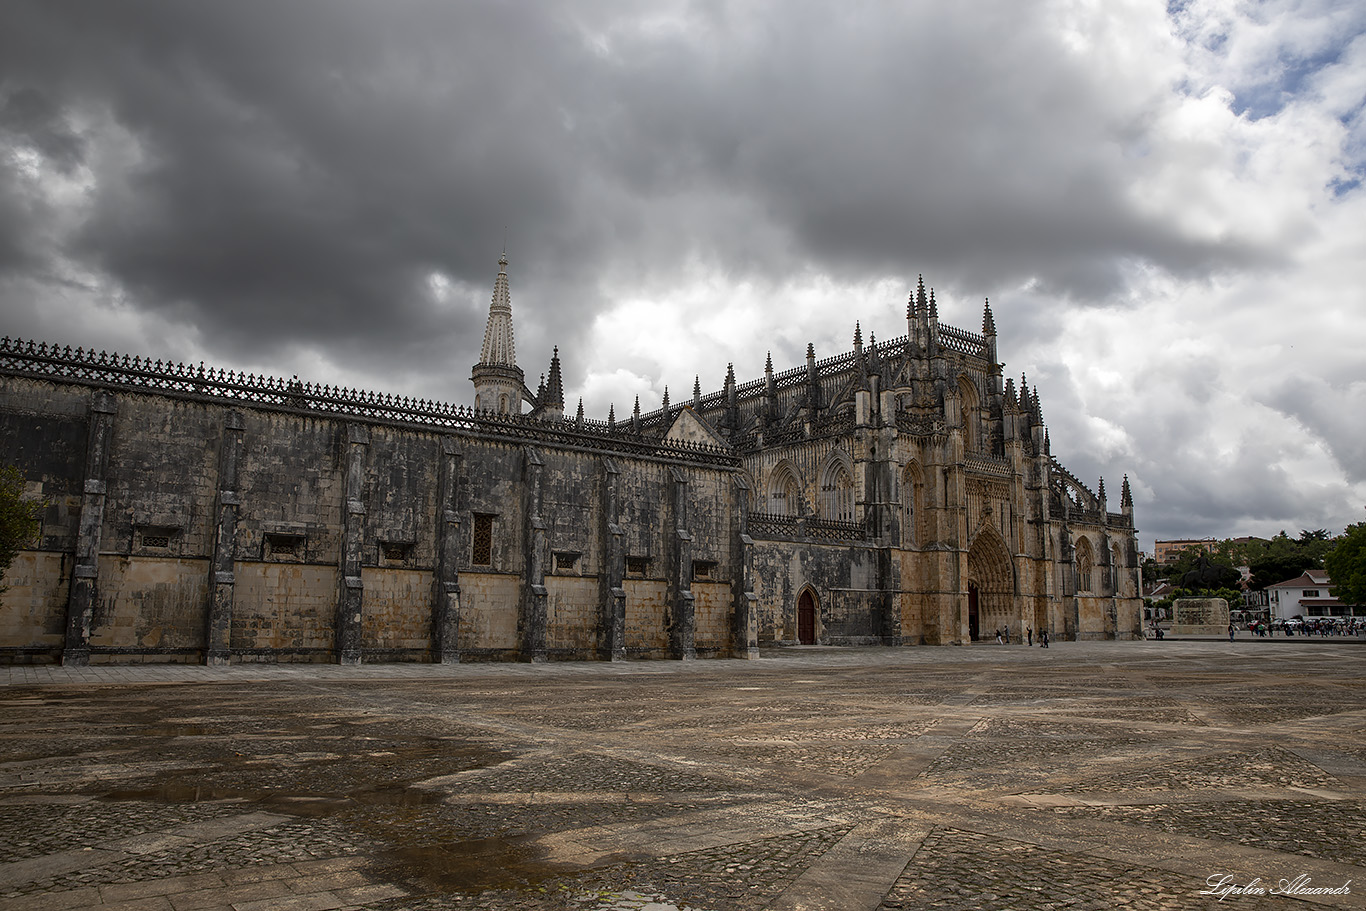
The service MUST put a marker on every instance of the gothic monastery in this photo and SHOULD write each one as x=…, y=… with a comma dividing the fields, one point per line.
x=901, y=493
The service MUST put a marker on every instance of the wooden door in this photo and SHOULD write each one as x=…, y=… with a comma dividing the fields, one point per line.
x=806, y=619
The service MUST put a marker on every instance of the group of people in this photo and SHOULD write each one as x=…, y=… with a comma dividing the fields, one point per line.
x=1003, y=636
x=1315, y=626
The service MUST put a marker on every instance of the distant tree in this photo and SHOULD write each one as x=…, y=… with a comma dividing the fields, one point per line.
x=1285, y=558
x=20, y=518
x=1152, y=571
x=1346, y=565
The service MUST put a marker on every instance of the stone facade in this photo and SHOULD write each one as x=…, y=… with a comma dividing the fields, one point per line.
x=900, y=493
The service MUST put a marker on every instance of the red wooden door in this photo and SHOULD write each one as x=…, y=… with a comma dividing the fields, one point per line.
x=806, y=619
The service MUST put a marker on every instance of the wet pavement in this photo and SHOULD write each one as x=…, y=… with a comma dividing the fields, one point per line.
x=1088, y=775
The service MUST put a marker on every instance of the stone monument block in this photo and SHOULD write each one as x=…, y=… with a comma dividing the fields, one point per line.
x=1199, y=617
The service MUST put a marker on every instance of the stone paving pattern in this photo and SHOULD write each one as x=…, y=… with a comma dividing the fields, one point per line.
x=1090, y=775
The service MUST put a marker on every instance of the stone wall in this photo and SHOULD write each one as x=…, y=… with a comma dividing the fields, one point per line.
x=287, y=535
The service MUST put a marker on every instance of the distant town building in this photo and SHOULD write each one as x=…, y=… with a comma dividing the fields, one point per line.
x=1169, y=551
x=1307, y=596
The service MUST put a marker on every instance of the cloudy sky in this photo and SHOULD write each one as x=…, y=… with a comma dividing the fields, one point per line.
x=1164, y=203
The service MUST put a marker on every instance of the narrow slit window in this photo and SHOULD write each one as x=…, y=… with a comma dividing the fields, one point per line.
x=482, y=553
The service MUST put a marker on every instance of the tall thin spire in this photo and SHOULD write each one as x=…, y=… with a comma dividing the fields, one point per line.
x=499, y=348
x=498, y=381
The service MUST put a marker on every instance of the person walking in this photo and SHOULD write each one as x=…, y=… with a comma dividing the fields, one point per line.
x=1230, y=632
x=1043, y=638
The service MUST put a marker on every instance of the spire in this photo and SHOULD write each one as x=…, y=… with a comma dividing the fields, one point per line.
x=1101, y=489
x=810, y=351
x=921, y=305
x=1010, y=390
x=1038, y=409
x=988, y=321
x=665, y=405
x=910, y=306
x=578, y=418
x=1047, y=444
x=1126, y=497
x=697, y=391
x=499, y=383
x=499, y=348
x=730, y=375
x=555, y=388
x=611, y=417
x=858, y=337
x=934, y=308
x=768, y=363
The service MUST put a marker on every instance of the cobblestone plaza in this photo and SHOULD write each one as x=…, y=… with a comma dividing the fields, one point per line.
x=1088, y=775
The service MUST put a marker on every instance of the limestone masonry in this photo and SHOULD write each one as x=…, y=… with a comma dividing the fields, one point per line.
x=900, y=493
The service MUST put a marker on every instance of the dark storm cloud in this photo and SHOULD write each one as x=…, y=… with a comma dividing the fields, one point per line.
x=301, y=168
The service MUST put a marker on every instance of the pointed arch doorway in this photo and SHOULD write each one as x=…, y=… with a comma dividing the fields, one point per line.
x=991, y=586
x=806, y=618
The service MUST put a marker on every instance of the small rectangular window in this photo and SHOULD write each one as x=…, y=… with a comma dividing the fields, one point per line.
x=566, y=562
x=703, y=570
x=482, y=552
x=1310, y=593
x=156, y=539
x=284, y=548
x=637, y=566
x=394, y=552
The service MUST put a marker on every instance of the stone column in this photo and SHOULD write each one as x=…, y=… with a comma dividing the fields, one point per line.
x=745, y=630
x=446, y=584
x=682, y=621
x=352, y=598
x=218, y=628
x=531, y=623
x=84, y=590
x=612, y=620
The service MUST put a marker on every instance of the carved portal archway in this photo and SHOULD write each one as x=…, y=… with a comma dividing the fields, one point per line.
x=991, y=577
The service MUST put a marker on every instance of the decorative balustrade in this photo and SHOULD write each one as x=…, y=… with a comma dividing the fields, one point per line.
x=766, y=525
x=980, y=464
x=26, y=358
x=962, y=341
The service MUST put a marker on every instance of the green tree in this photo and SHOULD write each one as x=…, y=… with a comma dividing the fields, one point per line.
x=1346, y=565
x=20, y=518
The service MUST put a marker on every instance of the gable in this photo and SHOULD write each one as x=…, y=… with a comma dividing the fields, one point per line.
x=689, y=427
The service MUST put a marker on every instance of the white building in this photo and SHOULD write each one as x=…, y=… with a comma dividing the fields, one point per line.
x=1306, y=596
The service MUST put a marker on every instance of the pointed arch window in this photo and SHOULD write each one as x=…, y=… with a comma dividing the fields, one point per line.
x=785, y=495
x=968, y=405
x=912, y=503
x=1086, y=563
x=837, y=495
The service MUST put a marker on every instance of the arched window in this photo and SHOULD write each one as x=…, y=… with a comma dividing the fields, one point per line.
x=503, y=404
x=837, y=493
x=912, y=504
x=967, y=399
x=1117, y=569
x=785, y=493
x=1086, y=562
